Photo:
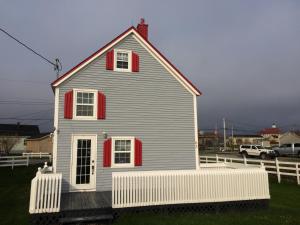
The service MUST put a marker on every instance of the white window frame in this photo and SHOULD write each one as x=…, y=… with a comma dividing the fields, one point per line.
x=94, y=117
x=132, y=145
x=116, y=51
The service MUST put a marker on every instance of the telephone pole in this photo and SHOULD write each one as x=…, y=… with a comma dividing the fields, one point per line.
x=232, y=146
x=224, y=129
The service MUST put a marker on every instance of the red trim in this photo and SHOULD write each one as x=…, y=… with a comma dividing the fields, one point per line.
x=137, y=152
x=101, y=106
x=68, y=105
x=119, y=37
x=107, y=153
x=110, y=60
x=135, y=62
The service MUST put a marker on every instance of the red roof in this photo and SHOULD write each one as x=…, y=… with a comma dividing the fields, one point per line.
x=270, y=131
x=115, y=39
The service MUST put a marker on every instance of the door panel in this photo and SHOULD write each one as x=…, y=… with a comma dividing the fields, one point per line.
x=83, y=162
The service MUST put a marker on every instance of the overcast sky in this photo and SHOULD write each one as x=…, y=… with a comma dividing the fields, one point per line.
x=243, y=55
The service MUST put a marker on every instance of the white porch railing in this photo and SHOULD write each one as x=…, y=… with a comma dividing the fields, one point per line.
x=38, y=155
x=45, y=192
x=133, y=189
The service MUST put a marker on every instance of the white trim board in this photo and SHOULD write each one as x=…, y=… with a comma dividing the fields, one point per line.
x=56, y=131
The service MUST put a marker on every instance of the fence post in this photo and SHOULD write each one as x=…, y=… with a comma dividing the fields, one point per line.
x=297, y=173
x=245, y=160
x=225, y=160
x=206, y=159
x=13, y=163
x=27, y=160
x=40, y=155
x=277, y=170
x=217, y=158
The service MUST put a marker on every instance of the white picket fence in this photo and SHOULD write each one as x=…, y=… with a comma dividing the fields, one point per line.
x=148, y=188
x=279, y=168
x=45, y=194
x=12, y=161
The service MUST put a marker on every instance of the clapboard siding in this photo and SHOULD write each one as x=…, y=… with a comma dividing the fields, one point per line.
x=150, y=105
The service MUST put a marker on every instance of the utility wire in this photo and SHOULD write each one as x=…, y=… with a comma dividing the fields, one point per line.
x=25, y=81
x=34, y=113
x=17, y=102
x=15, y=118
x=57, y=64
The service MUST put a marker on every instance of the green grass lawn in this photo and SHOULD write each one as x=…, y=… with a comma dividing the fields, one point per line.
x=284, y=206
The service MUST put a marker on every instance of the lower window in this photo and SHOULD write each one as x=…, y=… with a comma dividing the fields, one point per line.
x=122, y=151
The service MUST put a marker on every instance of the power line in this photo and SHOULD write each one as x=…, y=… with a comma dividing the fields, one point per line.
x=15, y=118
x=25, y=81
x=9, y=102
x=57, y=65
x=34, y=113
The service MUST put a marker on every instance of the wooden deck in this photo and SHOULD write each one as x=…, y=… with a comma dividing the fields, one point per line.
x=85, y=200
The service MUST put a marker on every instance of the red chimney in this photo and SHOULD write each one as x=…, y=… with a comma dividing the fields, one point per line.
x=142, y=28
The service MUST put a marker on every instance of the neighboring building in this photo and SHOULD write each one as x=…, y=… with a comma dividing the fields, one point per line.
x=240, y=139
x=124, y=108
x=271, y=136
x=13, y=136
x=209, y=141
x=40, y=143
x=289, y=137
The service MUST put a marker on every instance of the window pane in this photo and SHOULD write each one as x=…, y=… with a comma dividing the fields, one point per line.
x=122, y=60
x=85, y=110
x=79, y=97
x=122, y=56
x=122, y=65
x=122, y=158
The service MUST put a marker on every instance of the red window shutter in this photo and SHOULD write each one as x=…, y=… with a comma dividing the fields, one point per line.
x=107, y=153
x=137, y=152
x=110, y=60
x=135, y=62
x=68, y=107
x=101, y=106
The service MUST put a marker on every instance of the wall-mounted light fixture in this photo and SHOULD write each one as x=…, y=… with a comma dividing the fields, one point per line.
x=104, y=135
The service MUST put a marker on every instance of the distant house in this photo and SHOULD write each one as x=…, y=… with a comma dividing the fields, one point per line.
x=250, y=139
x=209, y=140
x=13, y=136
x=39, y=143
x=289, y=137
x=271, y=136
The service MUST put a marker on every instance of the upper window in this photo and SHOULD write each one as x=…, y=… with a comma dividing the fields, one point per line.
x=85, y=104
x=123, y=151
x=122, y=60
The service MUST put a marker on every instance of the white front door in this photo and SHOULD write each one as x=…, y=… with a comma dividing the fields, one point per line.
x=83, y=167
